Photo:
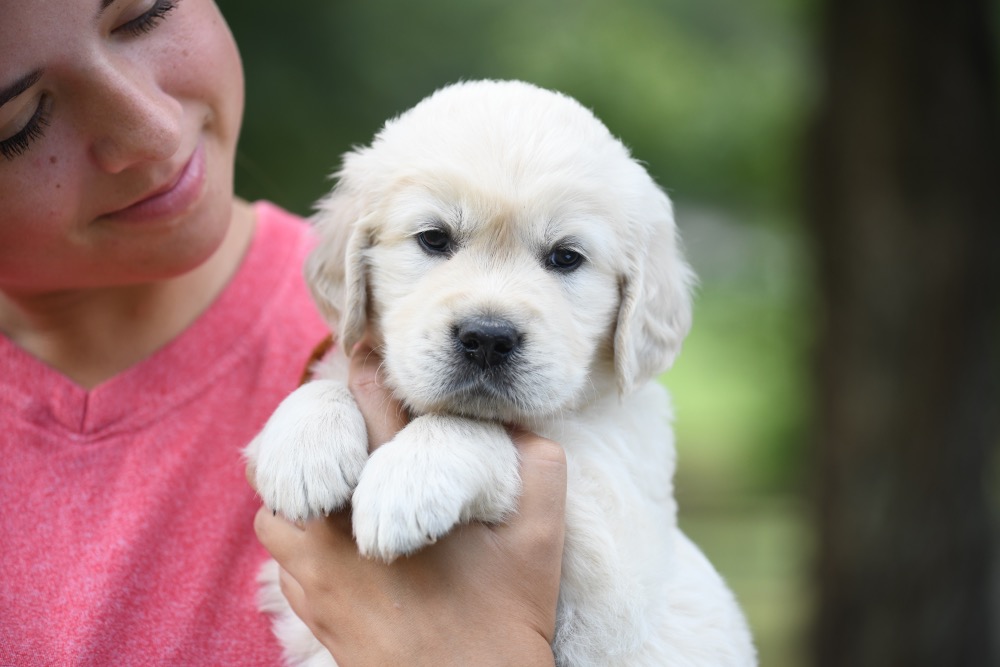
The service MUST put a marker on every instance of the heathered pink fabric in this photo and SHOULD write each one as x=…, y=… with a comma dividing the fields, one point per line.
x=126, y=533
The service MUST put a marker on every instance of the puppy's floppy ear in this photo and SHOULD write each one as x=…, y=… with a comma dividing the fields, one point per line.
x=655, y=312
x=336, y=270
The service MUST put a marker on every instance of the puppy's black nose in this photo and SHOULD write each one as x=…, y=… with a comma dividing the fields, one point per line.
x=487, y=341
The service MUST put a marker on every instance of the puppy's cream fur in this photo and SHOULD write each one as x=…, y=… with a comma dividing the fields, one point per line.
x=508, y=173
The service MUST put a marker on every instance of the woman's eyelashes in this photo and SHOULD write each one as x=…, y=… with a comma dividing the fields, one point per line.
x=21, y=141
x=149, y=19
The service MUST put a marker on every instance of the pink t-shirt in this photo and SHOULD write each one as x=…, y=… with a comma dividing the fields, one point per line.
x=126, y=533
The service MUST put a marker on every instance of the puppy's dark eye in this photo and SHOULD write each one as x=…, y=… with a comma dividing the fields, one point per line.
x=565, y=259
x=435, y=241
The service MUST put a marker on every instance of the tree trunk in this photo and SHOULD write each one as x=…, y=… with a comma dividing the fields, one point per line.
x=902, y=200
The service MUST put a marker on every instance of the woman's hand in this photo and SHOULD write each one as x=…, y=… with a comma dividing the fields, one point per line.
x=482, y=595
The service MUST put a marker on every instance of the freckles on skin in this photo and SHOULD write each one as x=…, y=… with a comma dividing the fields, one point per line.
x=53, y=160
x=47, y=166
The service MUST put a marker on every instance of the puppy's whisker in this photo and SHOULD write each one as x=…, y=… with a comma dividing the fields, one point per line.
x=371, y=352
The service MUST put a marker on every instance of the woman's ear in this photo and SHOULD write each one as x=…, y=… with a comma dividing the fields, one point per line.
x=336, y=269
x=655, y=312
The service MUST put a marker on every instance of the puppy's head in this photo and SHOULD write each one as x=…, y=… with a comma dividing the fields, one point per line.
x=508, y=252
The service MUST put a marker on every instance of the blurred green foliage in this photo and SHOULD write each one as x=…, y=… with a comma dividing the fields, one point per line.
x=712, y=96
x=708, y=93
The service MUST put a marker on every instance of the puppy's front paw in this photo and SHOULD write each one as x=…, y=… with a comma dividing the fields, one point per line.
x=402, y=504
x=437, y=472
x=310, y=454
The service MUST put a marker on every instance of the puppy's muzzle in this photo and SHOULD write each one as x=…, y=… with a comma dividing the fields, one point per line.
x=487, y=342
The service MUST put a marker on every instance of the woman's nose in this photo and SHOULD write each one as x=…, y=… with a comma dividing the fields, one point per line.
x=134, y=119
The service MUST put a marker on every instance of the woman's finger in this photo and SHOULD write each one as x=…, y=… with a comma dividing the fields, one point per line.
x=281, y=538
x=251, y=472
x=286, y=539
x=541, y=509
x=293, y=592
x=384, y=415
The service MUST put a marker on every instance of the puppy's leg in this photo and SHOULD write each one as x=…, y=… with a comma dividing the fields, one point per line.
x=310, y=453
x=437, y=472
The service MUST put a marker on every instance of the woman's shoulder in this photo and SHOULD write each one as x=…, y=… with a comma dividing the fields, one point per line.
x=269, y=213
x=269, y=293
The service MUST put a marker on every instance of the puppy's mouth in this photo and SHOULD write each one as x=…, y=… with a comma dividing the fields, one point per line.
x=495, y=384
x=483, y=399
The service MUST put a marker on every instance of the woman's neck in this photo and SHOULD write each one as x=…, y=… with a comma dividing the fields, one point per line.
x=91, y=335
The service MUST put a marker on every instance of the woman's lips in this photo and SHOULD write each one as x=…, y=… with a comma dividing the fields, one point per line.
x=173, y=200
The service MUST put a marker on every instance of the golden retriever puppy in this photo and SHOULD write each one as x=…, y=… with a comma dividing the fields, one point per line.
x=516, y=266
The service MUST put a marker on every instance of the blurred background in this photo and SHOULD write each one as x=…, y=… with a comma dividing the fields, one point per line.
x=834, y=168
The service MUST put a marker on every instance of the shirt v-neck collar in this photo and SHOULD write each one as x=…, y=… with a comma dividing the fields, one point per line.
x=175, y=373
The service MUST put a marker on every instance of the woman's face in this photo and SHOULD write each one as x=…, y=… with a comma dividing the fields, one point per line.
x=118, y=129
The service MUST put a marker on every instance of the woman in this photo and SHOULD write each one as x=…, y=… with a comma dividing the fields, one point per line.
x=151, y=322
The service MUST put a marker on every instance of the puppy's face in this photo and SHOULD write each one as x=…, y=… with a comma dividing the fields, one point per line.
x=497, y=240
x=492, y=305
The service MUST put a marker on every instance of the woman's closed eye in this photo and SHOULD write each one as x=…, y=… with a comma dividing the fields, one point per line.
x=26, y=123
x=18, y=143
x=23, y=115
x=147, y=20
